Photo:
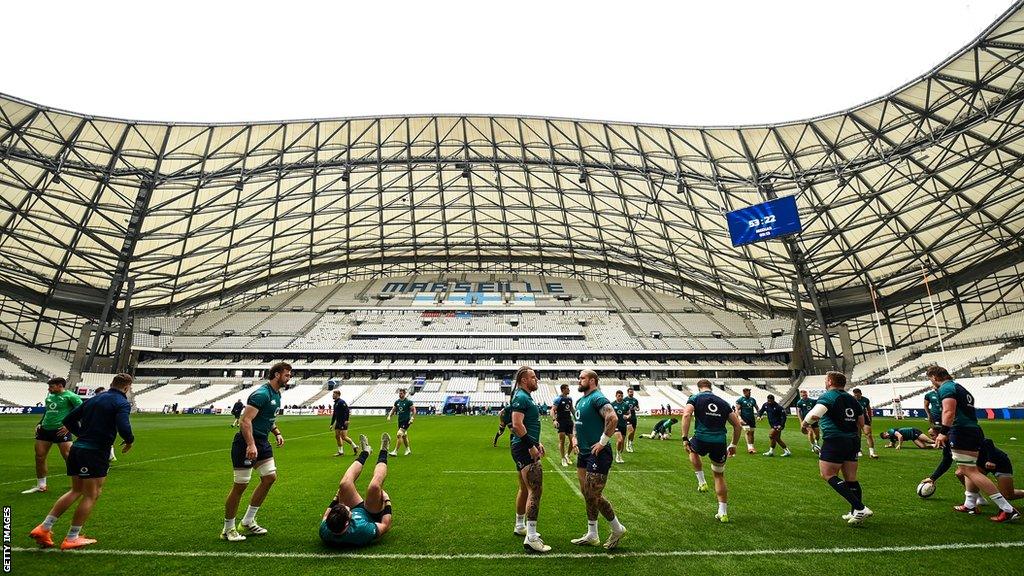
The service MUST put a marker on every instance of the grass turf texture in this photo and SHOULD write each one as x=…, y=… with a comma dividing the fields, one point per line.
x=454, y=496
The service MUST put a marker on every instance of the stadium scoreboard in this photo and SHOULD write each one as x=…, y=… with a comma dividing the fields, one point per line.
x=772, y=219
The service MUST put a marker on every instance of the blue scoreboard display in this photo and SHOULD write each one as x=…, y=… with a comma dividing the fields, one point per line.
x=772, y=219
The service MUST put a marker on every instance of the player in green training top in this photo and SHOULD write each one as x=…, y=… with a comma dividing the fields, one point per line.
x=406, y=414
x=634, y=408
x=712, y=414
x=961, y=430
x=897, y=436
x=746, y=407
x=50, y=430
x=662, y=430
x=527, y=452
x=865, y=405
x=596, y=421
x=504, y=421
x=251, y=448
x=933, y=408
x=621, y=427
x=351, y=521
x=813, y=432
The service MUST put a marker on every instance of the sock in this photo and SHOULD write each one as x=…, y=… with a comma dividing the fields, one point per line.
x=74, y=532
x=382, y=457
x=531, y=529
x=723, y=508
x=1000, y=500
x=520, y=520
x=591, y=527
x=49, y=522
x=970, y=499
x=363, y=456
x=750, y=446
x=41, y=482
x=871, y=450
x=615, y=524
x=700, y=477
x=250, y=515
x=229, y=524
x=341, y=449
x=844, y=491
x=854, y=487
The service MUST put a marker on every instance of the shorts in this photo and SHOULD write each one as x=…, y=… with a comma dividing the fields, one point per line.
x=716, y=451
x=749, y=421
x=600, y=464
x=965, y=439
x=341, y=425
x=632, y=422
x=264, y=451
x=88, y=462
x=52, y=436
x=375, y=516
x=1003, y=466
x=839, y=449
x=621, y=427
x=404, y=424
x=867, y=418
x=916, y=434
x=521, y=455
x=566, y=427
x=812, y=424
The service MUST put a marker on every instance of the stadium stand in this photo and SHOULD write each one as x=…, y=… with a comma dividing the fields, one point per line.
x=47, y=364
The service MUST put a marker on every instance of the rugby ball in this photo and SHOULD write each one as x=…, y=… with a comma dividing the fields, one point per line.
x=925, y=489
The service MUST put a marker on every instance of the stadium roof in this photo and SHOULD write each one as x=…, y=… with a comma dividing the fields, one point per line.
x=928, y=175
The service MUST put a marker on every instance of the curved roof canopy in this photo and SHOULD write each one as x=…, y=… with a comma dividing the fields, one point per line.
x=929, y=175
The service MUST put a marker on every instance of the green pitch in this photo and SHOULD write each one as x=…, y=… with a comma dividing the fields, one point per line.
x=162, y=508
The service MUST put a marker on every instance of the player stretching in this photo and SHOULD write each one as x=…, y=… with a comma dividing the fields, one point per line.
x=96, y=423
x=251, y=448
x=350, y=521
x=960, y=429
x=634, y=407
x=708, y=440
x=897, y=436
x=777, y=420
x=747, y=409
x=527, y=452
x=813, y=432
x=561, y=412
x=991, y=460
x=842, y=421
x=662, y=430
x=622, y=412
x=504, y=421
x=595, y=422
x=865, y=405
x=339, y=423
x=51, y=430
x=406, y=414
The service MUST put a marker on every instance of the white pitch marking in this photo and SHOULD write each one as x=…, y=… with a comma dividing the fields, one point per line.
x=617, y=471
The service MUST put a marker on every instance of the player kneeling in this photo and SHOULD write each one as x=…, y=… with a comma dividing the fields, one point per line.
x=351, y=521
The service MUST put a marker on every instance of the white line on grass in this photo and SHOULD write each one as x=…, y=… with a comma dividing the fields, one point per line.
x=617, y=471
x=521, y=556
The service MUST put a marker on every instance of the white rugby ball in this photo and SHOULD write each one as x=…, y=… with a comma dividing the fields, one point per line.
x=925, y=489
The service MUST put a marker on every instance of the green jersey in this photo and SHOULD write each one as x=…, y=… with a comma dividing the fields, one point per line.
x=361, y=530
x=840, y=420
x=747, y=406
x=267, y=401
x=523, y=402
x=663, y=426
x=965, y=416
x=589, y=422
x=621, y=410
x=804, y=405
x=505, y=416
x=907, y=433
x=711, y=414
x=58, y=406
x=403, y=407
x=634, y=405
x=865, y=404
x=934, y=406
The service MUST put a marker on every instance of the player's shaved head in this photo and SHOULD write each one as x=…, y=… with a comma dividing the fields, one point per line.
x=704, y=384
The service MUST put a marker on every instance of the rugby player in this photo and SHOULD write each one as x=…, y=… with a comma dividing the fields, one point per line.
x=504, y=421
x=561, y=417
x=97, y=392
x=621, y=411
x=960, y=429
x=991, y=460
x=865, y=405
x=96, y=423
x=634, y=407
x=339, y=423
x=351, y=521
x=842, y=420
x=51, y=430
x=777, y=420
x=711, y=413
x=813, y=431
x=406, y=414
x=746, y=407
x=662, y=430
x=527, y=452
x=251, y=448
x=897, y=436
x=236, y=411
x=595, y=422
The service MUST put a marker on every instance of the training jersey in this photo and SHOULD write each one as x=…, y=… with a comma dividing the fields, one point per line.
x=563, y=408
x=965, y=416
x=589, y=422
x=804, y=406
x=340, y=413
x=236, y=410
x=907, y=433
x=775, y=412
x=747, y=406
x=865, y=404
x=403, y=408
x=98, y=422
x=711, y=413
x=57, y=407
x=361, y=529
x=663, y=426
x=523, y=402
x=634, y=405
x=840, y=420
x=267, y=401
x=934, y=407
x=505, y=416
x=621, y=410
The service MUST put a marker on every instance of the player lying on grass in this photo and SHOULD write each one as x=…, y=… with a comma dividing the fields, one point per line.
x=662, y=430
x=897, y=436
x=351, y=521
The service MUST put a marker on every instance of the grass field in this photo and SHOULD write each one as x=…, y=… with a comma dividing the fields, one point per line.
x=162, y=508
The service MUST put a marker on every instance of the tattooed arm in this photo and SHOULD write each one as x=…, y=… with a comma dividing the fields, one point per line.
x=611, y=421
